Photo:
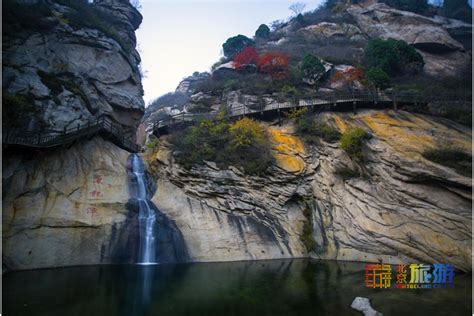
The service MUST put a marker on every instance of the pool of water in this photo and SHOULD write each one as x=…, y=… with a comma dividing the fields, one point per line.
x=276, y=287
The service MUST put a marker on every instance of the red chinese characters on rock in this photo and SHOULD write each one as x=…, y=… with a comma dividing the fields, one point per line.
x=91, y=210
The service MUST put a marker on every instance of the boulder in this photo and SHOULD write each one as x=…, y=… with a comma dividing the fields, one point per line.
x=362, y=304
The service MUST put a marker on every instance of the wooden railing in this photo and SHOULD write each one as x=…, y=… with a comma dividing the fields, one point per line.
x=354, y=98
x=45, y=139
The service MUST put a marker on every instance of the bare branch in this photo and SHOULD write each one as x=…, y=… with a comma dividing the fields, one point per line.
x=297, y=7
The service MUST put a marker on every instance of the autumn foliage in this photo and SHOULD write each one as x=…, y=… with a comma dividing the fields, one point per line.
x=274, y=64
x=348, y=76
x=248, y=56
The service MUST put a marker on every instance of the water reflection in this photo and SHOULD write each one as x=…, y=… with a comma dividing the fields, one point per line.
x=277, y=287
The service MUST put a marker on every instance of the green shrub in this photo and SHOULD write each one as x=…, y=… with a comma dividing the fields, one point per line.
x=32, y=17
x=311, y=66
x=451, y=157
x=244, y=144
x=309, y=128
x=458, y=9
x=296, y=113
x=289, y=91
x=352, y=141
x=417, y=6
x=377, y=77
x=85, y=14
x=236, y=44
x=263, y=31
x=57, y=84
x=17, y=109
x=461, y=116
x=347, y=173
x=395, y=57
x=152, y=142
x=307, y=234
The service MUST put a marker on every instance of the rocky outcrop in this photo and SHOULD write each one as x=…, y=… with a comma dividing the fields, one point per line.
x=443, y=54
x=83, y=66
x=327, y=30
x=402, y=209
x=67, y=207
x=407, y=208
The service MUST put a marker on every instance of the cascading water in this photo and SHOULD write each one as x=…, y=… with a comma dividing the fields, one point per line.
x=159, y=240
x=146, y=216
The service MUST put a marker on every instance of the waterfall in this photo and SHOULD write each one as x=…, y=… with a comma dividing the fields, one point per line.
x=146, y=216
x=159, y=240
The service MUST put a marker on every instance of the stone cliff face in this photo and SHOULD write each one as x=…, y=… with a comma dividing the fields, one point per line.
x=70, y=206
x=434, y=38
x=404, y=208
x=70, y=63
x=79, y=65
x=67, y=207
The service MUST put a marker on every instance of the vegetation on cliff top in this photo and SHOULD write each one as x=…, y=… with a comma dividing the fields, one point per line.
x=352, y=141
x=452, y=158
x=244, y=143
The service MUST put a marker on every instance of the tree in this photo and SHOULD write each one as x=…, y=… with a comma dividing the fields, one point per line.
x=274, y=64
x=395, y=57
x=331, y=4
x=348, y=76
x=236, y=44
x=312, y=67
x=263, y=31
x=297, y=7
x=377, y=78
x=417, y=6
x=458, y=9
x=248, y=56
x=136, y=4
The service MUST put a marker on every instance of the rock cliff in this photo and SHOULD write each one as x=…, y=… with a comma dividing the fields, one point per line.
x=67, y=207
x=72, y=63
x=66, y=63
x=70, y=205
x=403, y=209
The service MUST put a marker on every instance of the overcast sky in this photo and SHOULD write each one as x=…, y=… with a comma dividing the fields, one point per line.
x=178, y=37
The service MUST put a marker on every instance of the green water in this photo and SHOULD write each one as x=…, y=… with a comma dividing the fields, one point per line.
x=277, y=287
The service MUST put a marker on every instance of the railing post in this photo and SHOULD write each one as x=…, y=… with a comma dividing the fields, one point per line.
x=39, y=138
x=78, y=126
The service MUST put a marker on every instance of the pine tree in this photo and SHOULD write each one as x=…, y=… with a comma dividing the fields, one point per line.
x=458, y=9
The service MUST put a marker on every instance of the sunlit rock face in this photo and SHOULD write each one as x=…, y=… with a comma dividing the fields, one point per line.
x=67, y=207
x=72, y=72
x=404, y=209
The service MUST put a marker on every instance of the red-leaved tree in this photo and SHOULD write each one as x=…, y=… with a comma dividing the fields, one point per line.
x=248, y=56
x=274, y=64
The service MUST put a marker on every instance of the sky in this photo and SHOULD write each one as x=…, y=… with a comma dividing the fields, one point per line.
x=178, y=37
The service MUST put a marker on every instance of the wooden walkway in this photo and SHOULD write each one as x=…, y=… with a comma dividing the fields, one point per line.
x=103, y=126
x=338, y=101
